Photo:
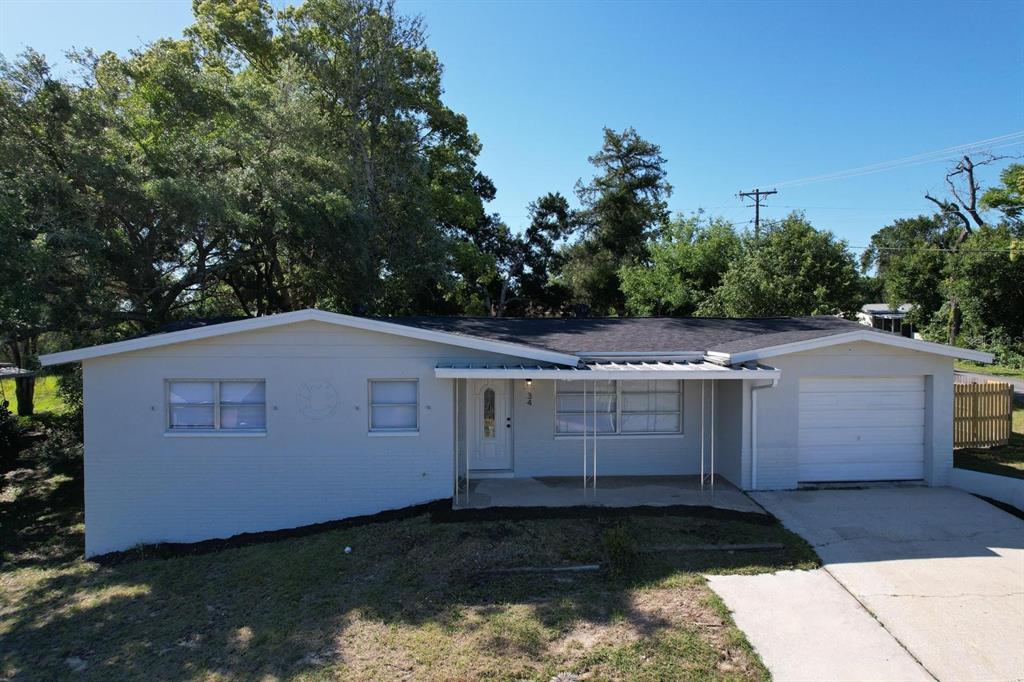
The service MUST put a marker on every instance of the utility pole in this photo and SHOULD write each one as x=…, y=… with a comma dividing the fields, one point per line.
x=757, y=195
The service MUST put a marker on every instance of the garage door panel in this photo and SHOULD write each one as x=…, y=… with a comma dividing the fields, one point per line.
x=858, y=436
x=902, y=471
x=861, y=384
x=831, y=400
x=833, y=454
x=861, y=429
x=828, y=419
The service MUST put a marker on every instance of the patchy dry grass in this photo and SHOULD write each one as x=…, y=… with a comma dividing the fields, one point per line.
x=1007, y=460
x=413, y=600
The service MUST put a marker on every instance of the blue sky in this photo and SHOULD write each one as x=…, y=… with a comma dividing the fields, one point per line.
x=736, y=94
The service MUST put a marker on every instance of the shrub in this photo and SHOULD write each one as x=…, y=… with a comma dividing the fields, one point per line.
x=621, y=549
x=1008, y=352
x=10, y=435
x=61, y=450
x=69, y=388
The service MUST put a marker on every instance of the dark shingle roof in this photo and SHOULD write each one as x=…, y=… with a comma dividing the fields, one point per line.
x=639, y=334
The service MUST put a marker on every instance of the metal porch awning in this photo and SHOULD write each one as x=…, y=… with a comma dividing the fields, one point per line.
x=604, y=371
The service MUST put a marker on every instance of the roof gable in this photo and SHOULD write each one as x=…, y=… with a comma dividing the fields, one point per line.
x=269, y=321
x=768, y=347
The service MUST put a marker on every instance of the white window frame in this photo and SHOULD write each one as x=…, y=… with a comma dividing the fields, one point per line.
x=619, y=433
x=217, y=429
x=383, y=431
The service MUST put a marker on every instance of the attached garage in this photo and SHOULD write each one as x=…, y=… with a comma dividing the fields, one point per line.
x=861, y=429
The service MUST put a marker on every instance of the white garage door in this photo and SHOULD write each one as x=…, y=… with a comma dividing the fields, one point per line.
x=861, y=429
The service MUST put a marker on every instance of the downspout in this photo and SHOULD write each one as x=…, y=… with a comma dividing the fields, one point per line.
x=753, y=430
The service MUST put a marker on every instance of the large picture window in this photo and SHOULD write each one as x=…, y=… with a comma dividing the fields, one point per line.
x=619, y=407
x=599, y=403
x=394, y=405
x=223, y=405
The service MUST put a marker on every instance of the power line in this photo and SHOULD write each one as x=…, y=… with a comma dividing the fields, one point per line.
x=931, y=248
x=999, y=142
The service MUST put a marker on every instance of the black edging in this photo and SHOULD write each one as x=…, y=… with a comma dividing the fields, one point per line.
x=595, y=512
x=1005, y=506
x=440, y=511
x=168, y=550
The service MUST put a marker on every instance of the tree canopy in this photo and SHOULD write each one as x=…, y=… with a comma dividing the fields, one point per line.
x=269, y=160
x=790, y=269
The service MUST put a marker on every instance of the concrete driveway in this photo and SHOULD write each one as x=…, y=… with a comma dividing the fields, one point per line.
x=941, y=571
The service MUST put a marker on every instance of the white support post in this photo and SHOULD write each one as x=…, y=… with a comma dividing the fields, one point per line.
x=713, y=383
x=584, y=441
x=703, y=405
x=467, y=445
x=594, y=467
x=455, y=410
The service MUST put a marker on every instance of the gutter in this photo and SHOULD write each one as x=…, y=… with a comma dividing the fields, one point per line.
x=753, y=429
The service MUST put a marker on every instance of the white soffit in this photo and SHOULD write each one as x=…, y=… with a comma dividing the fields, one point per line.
x=308, y=315
x=883, y=338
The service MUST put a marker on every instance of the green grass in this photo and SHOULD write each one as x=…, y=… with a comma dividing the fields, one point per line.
x=413, y=599
x=1000, y=370
x=47, y=399
x=1007, y=460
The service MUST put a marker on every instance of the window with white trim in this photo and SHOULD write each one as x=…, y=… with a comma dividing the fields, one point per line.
x=224, y=405
x=619, y=407
x=394, y=405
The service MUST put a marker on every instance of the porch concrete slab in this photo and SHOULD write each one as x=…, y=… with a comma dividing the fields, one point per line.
x=943, y=571
x=612, y=491
x=806, y=626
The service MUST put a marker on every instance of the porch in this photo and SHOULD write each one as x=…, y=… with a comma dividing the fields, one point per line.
x=660, y=433
x=612, y=491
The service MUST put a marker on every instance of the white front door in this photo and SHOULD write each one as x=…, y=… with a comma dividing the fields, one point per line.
x=492, y=415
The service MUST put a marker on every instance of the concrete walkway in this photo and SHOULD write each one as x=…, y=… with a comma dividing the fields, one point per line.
x=806, y=627
x=940, y=570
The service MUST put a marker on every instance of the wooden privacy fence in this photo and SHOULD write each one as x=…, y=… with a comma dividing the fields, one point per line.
x=982, y=414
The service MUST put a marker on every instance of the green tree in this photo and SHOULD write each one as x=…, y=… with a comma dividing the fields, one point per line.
x=500, y=273
x=540, y=255
x=910, y=261
x=623, y=207
x=412, y=173
x=44, y=219
x=686, y=264
x=791, y=269
x=1008, y=199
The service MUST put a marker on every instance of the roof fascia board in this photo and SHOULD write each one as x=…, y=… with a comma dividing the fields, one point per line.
x=252, y=324
x=849, y=337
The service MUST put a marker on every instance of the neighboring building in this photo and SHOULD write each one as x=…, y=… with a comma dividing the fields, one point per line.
x=303, y=417
x=888, y=319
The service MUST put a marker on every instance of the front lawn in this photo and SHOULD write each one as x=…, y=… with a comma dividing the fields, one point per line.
x=1007, y=460
x=413, y=600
